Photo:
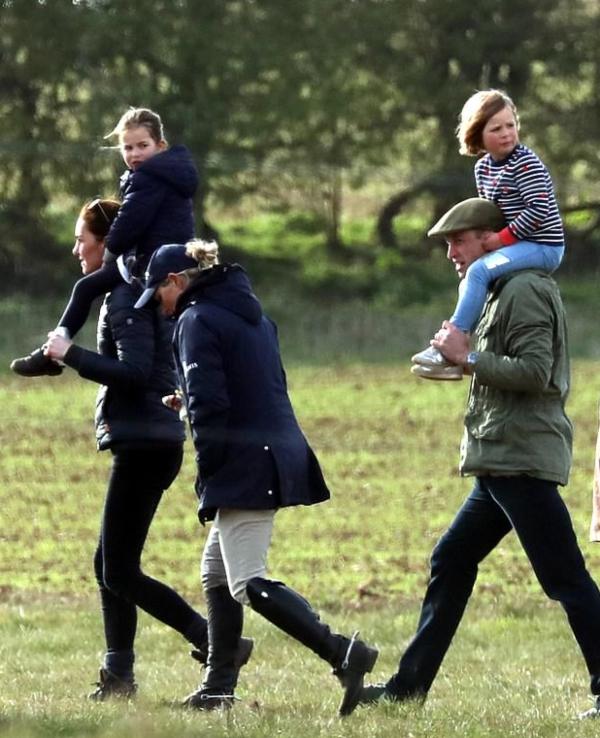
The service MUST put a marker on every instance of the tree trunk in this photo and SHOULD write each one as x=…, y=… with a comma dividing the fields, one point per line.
x=392, y=208
x=333, y=215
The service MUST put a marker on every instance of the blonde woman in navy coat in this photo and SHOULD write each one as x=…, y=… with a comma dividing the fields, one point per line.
x=252, y=460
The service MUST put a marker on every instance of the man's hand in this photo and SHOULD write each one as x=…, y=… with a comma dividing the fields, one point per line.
x=452, y=342
x=57, y=346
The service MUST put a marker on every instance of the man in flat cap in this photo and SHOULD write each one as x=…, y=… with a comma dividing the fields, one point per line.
x=482, y=220
x=517, y=446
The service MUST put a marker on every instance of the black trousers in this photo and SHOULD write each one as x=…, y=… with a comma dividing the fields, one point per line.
x=537, y=513
x=137, y=481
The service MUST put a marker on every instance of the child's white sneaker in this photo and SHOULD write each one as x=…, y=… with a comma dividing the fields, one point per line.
x=446, y=372
x=430, y=357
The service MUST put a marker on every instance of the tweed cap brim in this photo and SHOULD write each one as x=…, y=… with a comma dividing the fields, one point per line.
x=467, y=215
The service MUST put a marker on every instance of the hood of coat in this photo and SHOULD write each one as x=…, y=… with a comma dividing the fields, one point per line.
x=225, y=285
x=175, y=166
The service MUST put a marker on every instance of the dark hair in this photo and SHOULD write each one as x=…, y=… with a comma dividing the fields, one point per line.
x=476, y=112
x=99, y=214
x=140, y=117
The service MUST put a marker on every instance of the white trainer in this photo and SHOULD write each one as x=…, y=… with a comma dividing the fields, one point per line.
x=430, y=357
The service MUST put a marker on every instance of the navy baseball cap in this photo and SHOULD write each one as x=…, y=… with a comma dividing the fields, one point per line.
x=168, y=259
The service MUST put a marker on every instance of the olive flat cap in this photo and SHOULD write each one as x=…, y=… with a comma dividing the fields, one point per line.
x=472, y=213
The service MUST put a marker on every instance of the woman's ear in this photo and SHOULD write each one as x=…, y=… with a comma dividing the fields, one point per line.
x=178, y=280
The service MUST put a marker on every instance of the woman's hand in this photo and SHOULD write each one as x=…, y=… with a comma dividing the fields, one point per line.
x=175, y=402
x=56, y=346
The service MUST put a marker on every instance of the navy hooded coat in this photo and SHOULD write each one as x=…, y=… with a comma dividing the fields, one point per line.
x=250, y=451
x=157, y=206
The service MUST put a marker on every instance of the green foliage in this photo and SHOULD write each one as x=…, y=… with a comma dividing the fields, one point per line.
x=329, y=108
x=282, y=236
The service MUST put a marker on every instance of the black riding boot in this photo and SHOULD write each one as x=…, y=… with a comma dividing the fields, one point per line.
x=351, y=659
x=225, y=622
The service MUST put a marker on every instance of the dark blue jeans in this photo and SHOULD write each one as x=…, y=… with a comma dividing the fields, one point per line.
x=537, y=513
x=138, y=479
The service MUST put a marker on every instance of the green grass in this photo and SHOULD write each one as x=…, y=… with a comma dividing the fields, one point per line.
x=388, y=444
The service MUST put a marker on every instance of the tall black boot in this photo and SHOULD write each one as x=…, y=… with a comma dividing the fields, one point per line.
x=225, y=623
x=197, y=635
x=351, y=659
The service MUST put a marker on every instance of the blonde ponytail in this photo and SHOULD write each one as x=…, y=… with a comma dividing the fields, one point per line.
x=206, y=253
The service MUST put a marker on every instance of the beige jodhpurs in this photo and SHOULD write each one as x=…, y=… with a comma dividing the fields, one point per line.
x=236, y=550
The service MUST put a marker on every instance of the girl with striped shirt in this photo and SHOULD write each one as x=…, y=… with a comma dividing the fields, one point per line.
x=514, y=177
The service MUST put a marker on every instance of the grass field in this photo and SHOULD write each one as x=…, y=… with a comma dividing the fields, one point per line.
x=388, y=444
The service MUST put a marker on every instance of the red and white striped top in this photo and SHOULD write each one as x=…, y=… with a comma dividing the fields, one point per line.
x=522, y=188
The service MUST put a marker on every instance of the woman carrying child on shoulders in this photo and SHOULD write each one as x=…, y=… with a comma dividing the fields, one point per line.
x=156, y=192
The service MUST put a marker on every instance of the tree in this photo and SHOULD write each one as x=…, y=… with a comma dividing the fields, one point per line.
x=442, y=53
x=39, y=84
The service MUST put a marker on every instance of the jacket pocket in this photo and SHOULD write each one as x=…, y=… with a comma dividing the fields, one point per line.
x=486, y=424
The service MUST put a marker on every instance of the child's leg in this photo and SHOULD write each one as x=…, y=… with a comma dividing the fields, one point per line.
x=472, y=293
x=84, y=293
x=484, y=271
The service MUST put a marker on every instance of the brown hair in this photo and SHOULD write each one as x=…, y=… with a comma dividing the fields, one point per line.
x=475, y=113
x=98, y=215
x=140, y=117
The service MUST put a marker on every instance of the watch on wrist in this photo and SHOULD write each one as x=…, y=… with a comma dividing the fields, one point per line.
x=472, y=359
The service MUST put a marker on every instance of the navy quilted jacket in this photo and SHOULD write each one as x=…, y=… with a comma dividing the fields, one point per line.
x=250, y=450
x=134, y=365
x=157, y=204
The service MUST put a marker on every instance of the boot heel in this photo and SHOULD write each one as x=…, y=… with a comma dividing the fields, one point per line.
x=372, y=656
x=359, y=660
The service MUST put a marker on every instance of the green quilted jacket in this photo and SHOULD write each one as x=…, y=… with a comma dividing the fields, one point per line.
x=515, y=421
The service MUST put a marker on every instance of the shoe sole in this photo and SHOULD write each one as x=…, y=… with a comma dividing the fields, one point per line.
x=378, y=695
x=353, y=691
x=447, y=373
x=205, y=703
x=49, y=372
